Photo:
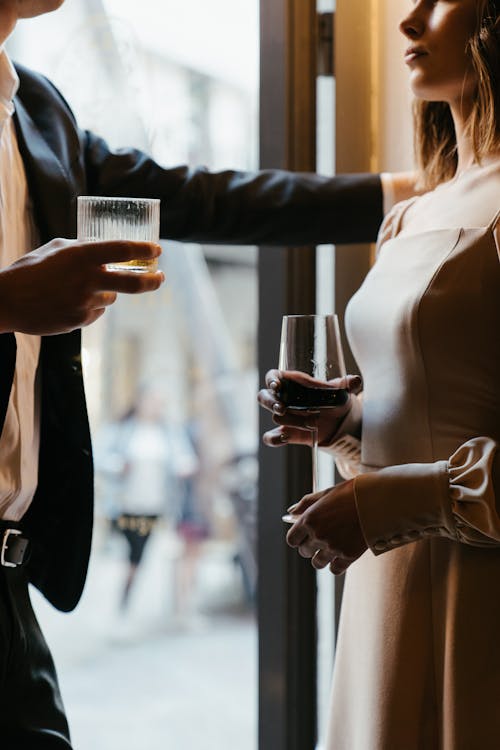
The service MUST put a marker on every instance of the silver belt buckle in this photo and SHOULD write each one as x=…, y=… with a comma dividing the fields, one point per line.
x=5, y=547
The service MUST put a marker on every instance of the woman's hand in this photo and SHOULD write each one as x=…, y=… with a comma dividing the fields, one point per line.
x=328, y=529
x=295, y=426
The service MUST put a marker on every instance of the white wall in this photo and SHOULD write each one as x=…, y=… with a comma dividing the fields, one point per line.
x=394, y=122
x=373, y=123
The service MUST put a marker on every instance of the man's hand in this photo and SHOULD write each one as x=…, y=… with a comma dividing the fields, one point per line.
x=327, y=529
x=65, y=284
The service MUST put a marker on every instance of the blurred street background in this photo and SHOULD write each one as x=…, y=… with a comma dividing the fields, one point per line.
x=161, y=652
x=148, y=679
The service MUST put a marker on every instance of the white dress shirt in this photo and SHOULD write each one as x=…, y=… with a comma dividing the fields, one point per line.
x=19, y=440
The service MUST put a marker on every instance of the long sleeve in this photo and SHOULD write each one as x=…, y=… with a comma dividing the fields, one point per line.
x=266, y=207
x=454, y=498
x=272, y=207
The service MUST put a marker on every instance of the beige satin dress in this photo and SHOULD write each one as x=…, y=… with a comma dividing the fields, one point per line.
x=418, y=657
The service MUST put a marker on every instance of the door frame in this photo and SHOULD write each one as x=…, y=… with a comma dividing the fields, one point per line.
x=287, y=276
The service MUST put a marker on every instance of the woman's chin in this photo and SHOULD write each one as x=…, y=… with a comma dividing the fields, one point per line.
x=428, y=94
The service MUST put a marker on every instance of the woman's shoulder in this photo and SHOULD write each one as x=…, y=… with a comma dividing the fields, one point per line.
x=393, y=220
x=470, y=200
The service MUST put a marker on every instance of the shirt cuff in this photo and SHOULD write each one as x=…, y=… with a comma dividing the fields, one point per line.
x=401, y=504
x=388, y=191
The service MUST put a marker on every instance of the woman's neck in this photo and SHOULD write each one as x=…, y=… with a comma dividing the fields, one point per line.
x=467, y=157
x=465, y=147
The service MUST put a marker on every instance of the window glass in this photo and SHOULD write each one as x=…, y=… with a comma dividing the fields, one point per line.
x=325, y=303
x=162, y=648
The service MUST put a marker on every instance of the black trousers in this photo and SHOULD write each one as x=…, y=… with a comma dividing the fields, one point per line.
x=31, y=710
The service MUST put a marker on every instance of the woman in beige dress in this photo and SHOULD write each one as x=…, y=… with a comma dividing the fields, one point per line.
x=417, y=521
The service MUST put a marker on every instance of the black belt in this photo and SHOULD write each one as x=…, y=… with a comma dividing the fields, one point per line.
x=14, y=545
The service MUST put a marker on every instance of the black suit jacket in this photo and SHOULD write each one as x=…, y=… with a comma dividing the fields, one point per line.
x=62, y=162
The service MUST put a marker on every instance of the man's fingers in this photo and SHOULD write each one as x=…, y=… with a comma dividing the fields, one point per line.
x=126, y=282
x=103, y=299
x=92, y=317
x=114, y=251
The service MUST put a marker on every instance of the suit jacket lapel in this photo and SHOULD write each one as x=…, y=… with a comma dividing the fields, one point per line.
x=50, y=185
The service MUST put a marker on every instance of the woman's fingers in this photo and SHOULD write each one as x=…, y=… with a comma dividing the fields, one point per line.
x=321, y=559
x=354, y=383
x=307, y=550
x=306, y=419
x=269, y=400
x=284, y=435
x=326, y=528
x=339, y=565
x=282, y=415
x=273, y=380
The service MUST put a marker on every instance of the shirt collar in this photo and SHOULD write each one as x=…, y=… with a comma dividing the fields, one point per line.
x=9, y=84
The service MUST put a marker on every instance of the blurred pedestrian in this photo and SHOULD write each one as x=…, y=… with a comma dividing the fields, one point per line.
x=140, y=453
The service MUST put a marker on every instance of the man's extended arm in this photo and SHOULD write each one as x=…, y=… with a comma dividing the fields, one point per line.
x=230, y=207
x=269, y=207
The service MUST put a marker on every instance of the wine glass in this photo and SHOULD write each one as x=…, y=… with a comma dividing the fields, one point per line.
x=311, y=344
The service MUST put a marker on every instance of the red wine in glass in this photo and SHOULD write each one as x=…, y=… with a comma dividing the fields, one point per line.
x=311, y=344
x=298, y=396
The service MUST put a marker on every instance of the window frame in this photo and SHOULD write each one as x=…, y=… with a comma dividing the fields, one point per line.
x=287, y=284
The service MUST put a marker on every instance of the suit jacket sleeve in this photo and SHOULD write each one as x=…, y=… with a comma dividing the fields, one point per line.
x=267, y=207
x=270, y=207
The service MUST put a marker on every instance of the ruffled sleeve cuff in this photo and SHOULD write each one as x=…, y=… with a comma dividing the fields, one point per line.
x=473, y=469
x=400, y=504
x=453, y=499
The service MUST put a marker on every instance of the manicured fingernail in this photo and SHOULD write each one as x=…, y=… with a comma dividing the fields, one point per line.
x=274, y=385
x=289, y=518
x=284, y=437
x=278, y=408
x=291, y=508
x=354, y=381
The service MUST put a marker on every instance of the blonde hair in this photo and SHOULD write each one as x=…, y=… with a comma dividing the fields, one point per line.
x=435, y=139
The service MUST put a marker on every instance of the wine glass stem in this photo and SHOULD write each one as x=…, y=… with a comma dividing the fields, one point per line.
x=314, y=457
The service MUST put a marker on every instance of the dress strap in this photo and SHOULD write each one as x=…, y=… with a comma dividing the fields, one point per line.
x=494, y=221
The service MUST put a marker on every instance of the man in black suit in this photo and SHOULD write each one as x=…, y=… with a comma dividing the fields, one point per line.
x=48, y=294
